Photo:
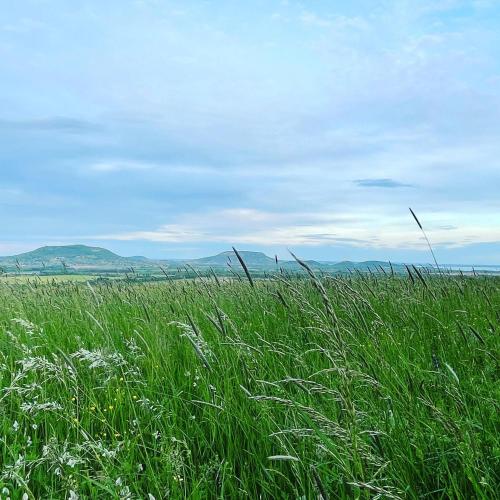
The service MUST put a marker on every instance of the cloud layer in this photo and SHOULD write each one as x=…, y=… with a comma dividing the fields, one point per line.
x=141, y=124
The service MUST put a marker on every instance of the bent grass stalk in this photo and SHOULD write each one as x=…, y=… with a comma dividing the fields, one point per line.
x=426, y=239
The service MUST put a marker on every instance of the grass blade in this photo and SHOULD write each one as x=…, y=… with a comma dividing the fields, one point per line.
x=244, y=266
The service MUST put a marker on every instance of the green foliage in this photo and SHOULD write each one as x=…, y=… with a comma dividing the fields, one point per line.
x=351, y=387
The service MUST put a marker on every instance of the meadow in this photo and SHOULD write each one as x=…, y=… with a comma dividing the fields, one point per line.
x=359, y=386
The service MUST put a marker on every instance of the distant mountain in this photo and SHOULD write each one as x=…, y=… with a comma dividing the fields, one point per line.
x=70, y=252
x=252, y=259
x=55, y=258
x=96, y=260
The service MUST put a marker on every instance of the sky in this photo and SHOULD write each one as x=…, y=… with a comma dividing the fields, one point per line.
x=172, y=128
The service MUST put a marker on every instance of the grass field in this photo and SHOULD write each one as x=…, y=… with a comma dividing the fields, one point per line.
x=352, y=387
x=35, y=280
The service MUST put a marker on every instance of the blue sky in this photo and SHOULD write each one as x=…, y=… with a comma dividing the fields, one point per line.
x=180, y=128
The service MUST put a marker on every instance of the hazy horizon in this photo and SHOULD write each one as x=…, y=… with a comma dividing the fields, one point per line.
x=177, y=129
x=283, y=256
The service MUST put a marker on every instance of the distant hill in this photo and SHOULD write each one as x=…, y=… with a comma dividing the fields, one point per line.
x=252, y=259
x=70, y=252
x=59, y=257
x=96, y=260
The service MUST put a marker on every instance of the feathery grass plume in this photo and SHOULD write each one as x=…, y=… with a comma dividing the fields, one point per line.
x=244, y=266
x=426, y=239
x=318, y=284
x=214, y=274
x=416, y=219
x=281, y=299
x=220, y=318
x=162, y=269
x=196, y=341
x=217, y=325
x=410, y=275
x=430, y=289
x=382, y=492
x=392, y=269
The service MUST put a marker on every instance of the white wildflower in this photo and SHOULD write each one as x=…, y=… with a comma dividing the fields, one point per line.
x=71, y=462
x=125, y=493
x=154, y=408
x=134, y=349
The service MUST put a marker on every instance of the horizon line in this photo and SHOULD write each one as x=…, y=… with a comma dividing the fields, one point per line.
x=162, y=259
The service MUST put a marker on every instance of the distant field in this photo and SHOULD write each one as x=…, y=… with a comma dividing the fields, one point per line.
x=348, y=387
x=58, y=278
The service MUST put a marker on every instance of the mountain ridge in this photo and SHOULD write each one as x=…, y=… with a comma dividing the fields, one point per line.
x=60, y=251
x=81, y=258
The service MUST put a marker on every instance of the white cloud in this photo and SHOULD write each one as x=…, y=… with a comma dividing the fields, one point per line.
x=114, y=166
x=199, y=112
x=254, y=227
x=312, y=19
x=118, y=166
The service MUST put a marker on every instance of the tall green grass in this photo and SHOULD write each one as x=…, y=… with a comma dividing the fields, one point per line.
x=354, y=387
